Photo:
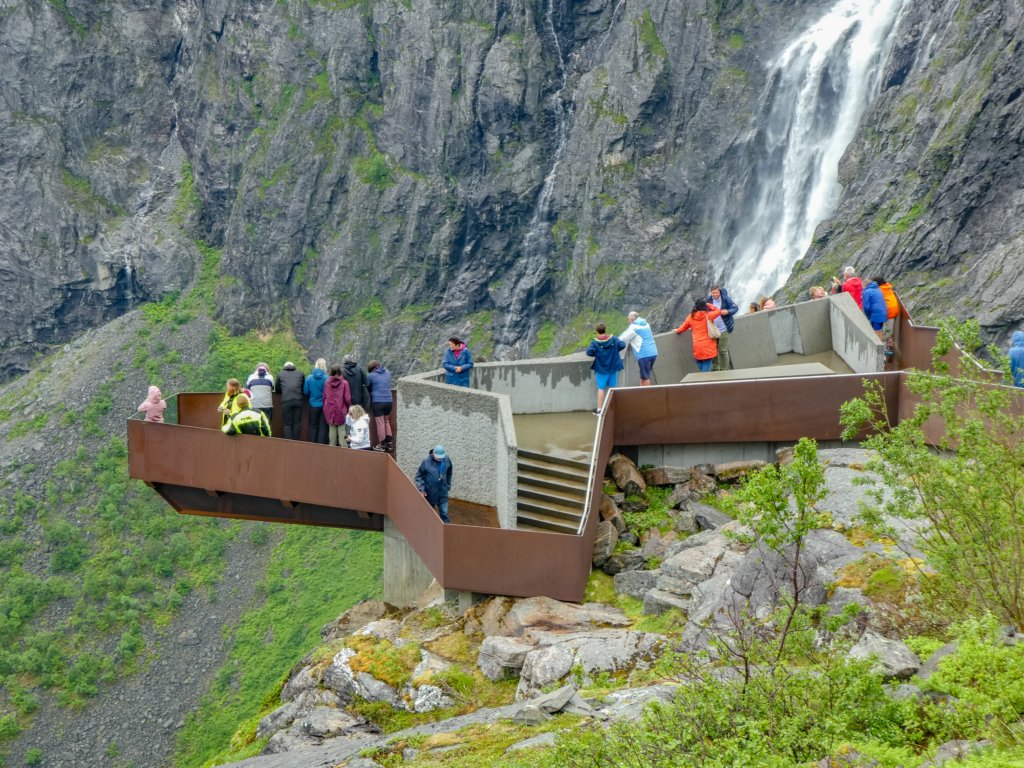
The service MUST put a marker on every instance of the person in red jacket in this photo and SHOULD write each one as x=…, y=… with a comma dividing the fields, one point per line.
x=851, y=284
x=705, y=348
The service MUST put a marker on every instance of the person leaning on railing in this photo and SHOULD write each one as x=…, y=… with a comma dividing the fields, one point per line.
x=248, y=421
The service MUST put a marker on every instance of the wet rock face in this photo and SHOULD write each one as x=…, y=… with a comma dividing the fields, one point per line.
x=488, y=164
x=381, y=176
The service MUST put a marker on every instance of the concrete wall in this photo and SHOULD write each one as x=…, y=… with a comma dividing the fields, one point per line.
x=405, y=575
x=543, y=385
x=757, y=340
x=852, y=336
x=714, y=453
x=476, y=429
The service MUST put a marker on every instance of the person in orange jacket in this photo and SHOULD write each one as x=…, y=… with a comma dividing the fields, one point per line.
x=705, y=349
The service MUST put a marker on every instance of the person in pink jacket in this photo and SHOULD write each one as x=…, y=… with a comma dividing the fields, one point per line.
x=154, y=406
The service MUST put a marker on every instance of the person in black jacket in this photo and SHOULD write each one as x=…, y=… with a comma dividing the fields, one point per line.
x=434, y=480
x=358, y=382
x=289, y=387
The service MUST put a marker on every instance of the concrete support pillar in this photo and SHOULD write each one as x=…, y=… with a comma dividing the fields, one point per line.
x=405, y=575
x=461, y=599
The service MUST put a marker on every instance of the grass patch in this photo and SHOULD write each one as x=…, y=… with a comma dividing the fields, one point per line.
x=300, y=595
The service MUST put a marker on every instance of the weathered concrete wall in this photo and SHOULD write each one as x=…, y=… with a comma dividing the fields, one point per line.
x=476, y=429
x=852, y=336
x=543, y=385
x=714, y=453
x=405, y=575
x=675, y=360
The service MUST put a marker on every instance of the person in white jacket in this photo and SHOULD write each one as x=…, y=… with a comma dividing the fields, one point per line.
x=640, y=337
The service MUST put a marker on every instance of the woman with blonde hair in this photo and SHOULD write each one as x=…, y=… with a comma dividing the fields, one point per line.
x=358, y=423
x=229, y=405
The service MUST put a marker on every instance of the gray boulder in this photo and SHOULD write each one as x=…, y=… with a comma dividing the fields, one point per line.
x=627, y=560
x=635, y=583
x=610, y=650
x=604, y=542
x=891, y=658
x=502, y=657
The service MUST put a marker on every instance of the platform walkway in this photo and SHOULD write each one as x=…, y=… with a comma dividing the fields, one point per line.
x=200, y=471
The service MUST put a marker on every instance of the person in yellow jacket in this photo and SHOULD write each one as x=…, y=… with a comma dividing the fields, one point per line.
x=247, y=421
x=229, y=405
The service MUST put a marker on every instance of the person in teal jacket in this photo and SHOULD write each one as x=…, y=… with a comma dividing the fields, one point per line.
x=313, y=388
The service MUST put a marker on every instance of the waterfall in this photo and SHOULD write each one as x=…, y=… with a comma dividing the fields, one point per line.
x=531, y=267
x=813, y=101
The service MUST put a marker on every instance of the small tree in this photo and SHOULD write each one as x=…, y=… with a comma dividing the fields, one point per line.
x=969, y=489
x=778, y=506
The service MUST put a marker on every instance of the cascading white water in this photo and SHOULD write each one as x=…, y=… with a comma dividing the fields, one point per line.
x=814, y=99
x=531, y=269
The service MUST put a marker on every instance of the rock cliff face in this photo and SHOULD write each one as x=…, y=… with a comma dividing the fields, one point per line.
x=380, y=174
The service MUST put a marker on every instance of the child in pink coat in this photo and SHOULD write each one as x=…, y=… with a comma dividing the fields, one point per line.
x=154, y=406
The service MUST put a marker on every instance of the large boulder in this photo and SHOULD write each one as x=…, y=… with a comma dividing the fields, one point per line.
x=605, y=539
x=501, y=657
x=609, y=650
x=532, y=615
x=892, y=659
x=666, y=475
x=635, y=583
x=626, y=476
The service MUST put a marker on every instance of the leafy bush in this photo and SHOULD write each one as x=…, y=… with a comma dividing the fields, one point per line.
x=970, y=495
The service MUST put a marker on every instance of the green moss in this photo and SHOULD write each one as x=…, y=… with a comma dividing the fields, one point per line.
x=736, y=41
x=318, y=92
x=545, y=340
x=565, y=232
x=375, y=171
x=649, y=36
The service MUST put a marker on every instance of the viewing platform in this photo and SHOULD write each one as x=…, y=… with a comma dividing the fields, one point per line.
x=528, y=454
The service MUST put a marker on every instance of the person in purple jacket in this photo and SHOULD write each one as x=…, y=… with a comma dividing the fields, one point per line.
x=381, y=402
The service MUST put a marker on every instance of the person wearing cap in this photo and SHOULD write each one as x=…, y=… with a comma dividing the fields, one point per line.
x=289, y=385
x=434, y=480
x=261, y=388
x=248, y=420
x=640, y=337
x=457, y=362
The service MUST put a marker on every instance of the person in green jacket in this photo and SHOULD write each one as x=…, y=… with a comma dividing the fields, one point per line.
x=247, y=421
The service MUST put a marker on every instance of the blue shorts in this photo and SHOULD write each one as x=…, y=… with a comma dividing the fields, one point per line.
x=646, y=366
x=606, y=380
x=877, y=326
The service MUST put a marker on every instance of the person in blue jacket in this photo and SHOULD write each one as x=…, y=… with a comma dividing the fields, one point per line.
x=457, y=362
x=313, y=388
x=434, y=480
x=1017, y=358
x=873, y=303
x=645, y=349
x=725, y=322
x=381, y=403
x=605, y=349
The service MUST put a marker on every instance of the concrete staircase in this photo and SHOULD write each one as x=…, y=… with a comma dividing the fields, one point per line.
x=551, y=492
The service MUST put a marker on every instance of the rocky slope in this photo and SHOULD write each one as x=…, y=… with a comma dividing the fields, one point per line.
x=380, y=174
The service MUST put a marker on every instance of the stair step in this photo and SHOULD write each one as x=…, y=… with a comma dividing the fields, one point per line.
x=575, y=486
x=561, y=511
x=545, y=458
x=552, y=470
x=543, y=522
x=569, y=496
